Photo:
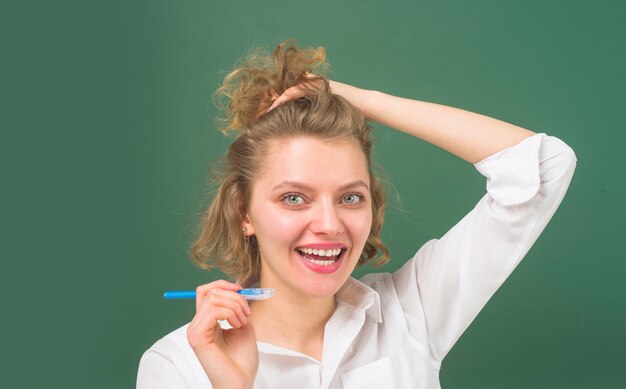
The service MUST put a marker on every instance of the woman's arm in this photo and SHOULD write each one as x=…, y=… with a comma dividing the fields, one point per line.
x=470, y=136
x=449, y=280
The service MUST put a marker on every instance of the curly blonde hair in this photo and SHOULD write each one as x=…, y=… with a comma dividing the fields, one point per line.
x=246, y=92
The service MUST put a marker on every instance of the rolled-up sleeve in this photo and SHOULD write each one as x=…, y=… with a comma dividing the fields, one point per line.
x=449, y=280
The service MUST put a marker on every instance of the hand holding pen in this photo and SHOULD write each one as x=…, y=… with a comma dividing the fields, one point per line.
x=229, y=357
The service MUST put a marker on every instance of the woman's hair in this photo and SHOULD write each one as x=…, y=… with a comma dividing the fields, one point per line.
x=247, y=92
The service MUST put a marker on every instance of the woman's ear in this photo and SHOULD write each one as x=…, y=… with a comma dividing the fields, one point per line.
x=246, y=226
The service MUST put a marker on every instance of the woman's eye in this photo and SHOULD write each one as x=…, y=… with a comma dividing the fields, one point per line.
x=352, y=198
x=293, y=199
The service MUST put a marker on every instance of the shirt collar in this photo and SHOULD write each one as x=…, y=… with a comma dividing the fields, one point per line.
x=358, y=295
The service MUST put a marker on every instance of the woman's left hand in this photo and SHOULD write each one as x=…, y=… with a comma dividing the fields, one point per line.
x=356, y=96
x=293, y=93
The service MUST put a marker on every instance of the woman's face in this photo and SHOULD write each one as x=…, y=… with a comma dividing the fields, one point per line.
x=311, y=213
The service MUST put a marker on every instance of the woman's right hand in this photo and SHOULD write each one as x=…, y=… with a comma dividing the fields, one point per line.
x=230, y=358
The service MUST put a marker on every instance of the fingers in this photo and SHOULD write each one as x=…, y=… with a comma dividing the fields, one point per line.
x=292, y=93
x=215, y=301
x=220, y=301
x=230, y=301
x=295, y=92
x=203, y=291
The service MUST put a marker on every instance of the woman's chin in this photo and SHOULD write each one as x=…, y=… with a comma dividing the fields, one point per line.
x=322, y=281
x=322, y=288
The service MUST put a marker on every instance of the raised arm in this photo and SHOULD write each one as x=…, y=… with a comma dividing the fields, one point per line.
x=470, y=136
x=449, y=280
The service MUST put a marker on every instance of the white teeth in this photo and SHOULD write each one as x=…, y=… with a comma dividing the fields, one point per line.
x=321, y=263
x=321, y=253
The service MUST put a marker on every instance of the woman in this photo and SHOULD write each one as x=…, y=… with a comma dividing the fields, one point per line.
x=298, y=209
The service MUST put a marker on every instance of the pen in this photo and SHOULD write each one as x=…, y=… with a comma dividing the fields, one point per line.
x=248, y=294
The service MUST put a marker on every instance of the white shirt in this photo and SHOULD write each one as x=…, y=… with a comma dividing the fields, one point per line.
x=392, y=330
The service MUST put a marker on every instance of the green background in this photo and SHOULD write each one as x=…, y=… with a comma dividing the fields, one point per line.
x=108, y=132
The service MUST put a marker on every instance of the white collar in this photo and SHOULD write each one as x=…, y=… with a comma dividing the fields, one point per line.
x=358, y=295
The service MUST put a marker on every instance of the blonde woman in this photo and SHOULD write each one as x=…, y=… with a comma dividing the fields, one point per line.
x=298, y=209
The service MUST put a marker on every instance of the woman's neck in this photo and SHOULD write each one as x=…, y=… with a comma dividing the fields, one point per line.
x=293, y=322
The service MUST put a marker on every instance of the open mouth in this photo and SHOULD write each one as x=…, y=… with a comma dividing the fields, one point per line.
x=321, y=257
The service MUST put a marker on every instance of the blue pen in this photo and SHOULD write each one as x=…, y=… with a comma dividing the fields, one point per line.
x=248, y=294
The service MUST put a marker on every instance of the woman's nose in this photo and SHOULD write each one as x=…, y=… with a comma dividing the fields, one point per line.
x=327, y=219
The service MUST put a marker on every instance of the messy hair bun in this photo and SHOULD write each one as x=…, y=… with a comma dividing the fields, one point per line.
x=246, y=94
x=251, y=88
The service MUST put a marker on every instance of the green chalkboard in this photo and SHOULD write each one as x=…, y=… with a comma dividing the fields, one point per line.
x=108, y=133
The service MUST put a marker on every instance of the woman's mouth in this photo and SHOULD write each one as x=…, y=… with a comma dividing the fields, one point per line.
x=321, y=260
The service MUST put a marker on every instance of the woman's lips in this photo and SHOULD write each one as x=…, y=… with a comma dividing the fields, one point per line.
x=324, y=265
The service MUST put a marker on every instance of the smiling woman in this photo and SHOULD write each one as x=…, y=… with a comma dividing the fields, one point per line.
x=298, y=209
x=258, y=156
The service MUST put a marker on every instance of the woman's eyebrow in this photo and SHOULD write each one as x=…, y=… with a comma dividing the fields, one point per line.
x=355, y=184
x=296, y=184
